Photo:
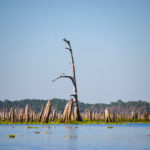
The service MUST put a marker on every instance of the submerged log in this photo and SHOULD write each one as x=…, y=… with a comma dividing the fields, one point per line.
x=107, y=115
x=67, y=111
x=46, y=112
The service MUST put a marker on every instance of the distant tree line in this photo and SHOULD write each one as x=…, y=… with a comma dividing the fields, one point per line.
x=114, y=107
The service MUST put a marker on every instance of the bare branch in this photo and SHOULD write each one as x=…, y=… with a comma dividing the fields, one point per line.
x=68, y=42
x=63, y=76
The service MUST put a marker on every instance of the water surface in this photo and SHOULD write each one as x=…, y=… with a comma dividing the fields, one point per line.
x=76, y=137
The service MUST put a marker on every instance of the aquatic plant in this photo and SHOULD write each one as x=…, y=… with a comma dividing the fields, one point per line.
x=36, y=132
x=32, y=127
x=110, y=127
x=11, y=135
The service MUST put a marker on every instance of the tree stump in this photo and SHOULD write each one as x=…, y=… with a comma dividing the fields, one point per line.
x=3, y=115
x=46, y=112
x=67, y=111
x=12, y=118
x=145, y=116
x=107, y=115
x=54, y=114
x=27, y=113
x=134, y=115
x=89, y=115
x=41, y=113
x=20, y=117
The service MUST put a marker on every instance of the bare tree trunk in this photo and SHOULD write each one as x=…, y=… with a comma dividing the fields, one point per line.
x=54, y=114
x=12, y=114
x=73, y=79
x=46, y=112
x=67, y=111
x=3, y=115
x=41, y=113
x=107, y=115
x=89, y=115
x=27, y=113
x=20, y=115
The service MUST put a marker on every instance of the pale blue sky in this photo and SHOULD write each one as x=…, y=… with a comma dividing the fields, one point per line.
x=110, y=41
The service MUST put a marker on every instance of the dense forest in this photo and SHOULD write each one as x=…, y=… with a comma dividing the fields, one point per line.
x=114, y=107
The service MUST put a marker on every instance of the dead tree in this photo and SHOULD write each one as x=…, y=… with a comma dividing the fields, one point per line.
x=73, y=79
x=54, y=114
x=41, y=113
x=46, y=112
x=67, y=111
x=27, y=113
x=12, y=114
x=107, y=115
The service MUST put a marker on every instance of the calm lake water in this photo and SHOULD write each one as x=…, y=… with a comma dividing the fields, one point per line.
x=76, y=137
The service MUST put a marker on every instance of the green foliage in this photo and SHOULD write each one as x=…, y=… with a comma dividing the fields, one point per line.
x=59, y=104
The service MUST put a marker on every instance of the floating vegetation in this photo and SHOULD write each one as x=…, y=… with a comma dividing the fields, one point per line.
x=110, y=127
x=32, y=127
x=11, y=135
x=36, y=132
x=45, y=132
x=148, y=134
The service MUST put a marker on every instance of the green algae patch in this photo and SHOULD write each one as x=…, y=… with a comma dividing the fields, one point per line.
x=36, y=132
x=32, y=127
x=148, y=134
x=110, y=127
x=11, y=135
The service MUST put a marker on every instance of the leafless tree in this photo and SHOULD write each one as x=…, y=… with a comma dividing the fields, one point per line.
x=73, y=79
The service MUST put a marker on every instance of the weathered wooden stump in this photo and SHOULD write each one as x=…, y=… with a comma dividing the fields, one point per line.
x=54, y=114
x=41, y=113
x=107, y=115
x=89, y=115
x=145, y=116
x=20, y=117
x=67, y=111
x=46, y=112
x=134, y=115
x=27, y=113
x=12, y=116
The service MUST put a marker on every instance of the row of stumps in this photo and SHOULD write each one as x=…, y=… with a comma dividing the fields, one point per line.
x=49, y=113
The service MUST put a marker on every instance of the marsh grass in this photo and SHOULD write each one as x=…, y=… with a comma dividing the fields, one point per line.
x=84, y=122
